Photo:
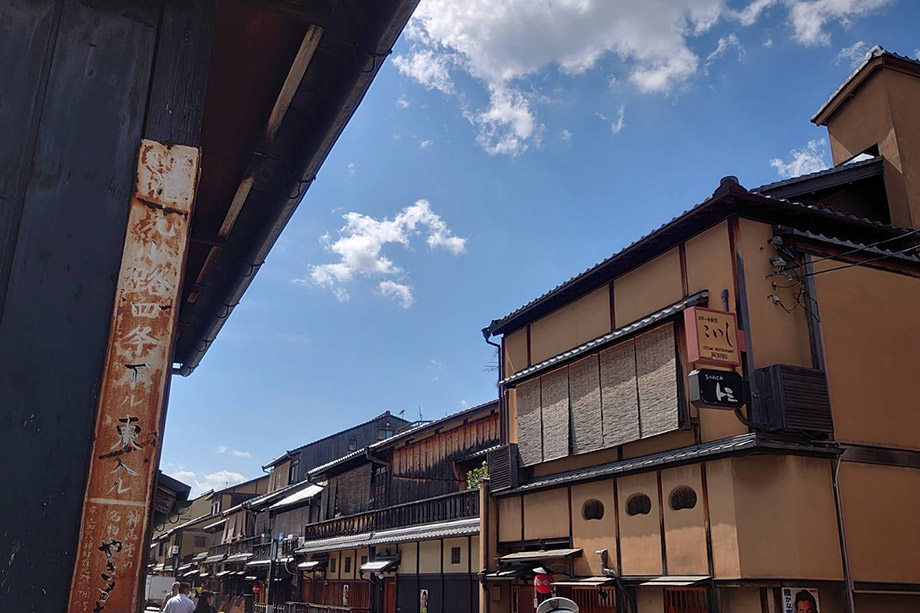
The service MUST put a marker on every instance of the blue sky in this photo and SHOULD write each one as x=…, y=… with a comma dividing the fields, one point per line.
x=503, y=148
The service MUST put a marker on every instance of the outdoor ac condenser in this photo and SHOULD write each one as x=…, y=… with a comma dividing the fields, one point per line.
x=793, y=398
x=503, y=468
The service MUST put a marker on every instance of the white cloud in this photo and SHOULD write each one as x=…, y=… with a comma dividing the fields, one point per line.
x=211, y=481
x=566, y=136
x=464, y=404
x=726, y=43
x=402, y=103
x=428, y=67
x=810, y=158
x=360, y=244
x=505, y=46
x=397, y=291
x=751, y=13
x=351, y=169
x=852, y=55
x=424, y=144
x=234, y=452
x=619, y=123
x=809, y=17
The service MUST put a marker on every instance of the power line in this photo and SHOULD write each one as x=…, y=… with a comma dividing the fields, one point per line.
x=855, y=264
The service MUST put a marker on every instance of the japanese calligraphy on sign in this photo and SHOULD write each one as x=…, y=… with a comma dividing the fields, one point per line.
x=712, y=337
x=125, y=454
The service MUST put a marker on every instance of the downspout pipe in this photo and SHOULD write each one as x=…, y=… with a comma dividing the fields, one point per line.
x=487, y=335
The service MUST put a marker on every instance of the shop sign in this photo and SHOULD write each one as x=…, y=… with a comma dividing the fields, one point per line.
x=712, y=337
x=716, y=389
x=543, y=583
x=800, y=600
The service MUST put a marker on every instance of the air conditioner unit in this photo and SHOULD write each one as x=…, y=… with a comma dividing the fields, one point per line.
x=503, y=468
x=174, y=551
x=792, y=398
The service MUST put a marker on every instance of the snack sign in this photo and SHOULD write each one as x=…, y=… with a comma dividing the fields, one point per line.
x=712, y=337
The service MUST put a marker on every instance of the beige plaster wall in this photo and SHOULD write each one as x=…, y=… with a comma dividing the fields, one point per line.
x=510, y=519
x=654, y=285
x=546, y=514
x=723, y=520
x=429, y=557
x=871, y=333
x=684, y=530
x=640, y=535
x=574, y=324
x=787, y=523
x=462, y=566
x=595, y=534
x=408, y=559
x=515, y=348
x=777, y=337
x=881, y=510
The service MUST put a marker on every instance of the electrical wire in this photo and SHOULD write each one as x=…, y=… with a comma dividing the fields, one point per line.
x=864, y=247
x=856, y=264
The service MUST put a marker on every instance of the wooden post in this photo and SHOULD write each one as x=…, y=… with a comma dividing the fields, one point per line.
x=125, y=452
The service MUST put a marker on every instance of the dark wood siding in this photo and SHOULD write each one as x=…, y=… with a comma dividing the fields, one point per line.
x=335, y=446
x=426, y=468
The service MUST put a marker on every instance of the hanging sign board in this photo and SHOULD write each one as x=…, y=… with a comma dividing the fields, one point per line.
x=716, y=389
x=712, y=337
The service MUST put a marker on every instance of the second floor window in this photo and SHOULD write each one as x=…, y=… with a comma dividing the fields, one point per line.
x=215, y=507
x=199, y=541
x=454, y=555
x=384, y=433
x=348, y=564
x=292, y=471
x=352, y=444
x=332, y=565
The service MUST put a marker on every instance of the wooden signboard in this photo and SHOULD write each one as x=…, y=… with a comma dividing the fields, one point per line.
x=125, y=453
x=712, y=337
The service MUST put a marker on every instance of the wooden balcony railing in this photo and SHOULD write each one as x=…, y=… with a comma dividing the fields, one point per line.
x=459, y=505
x=221, y=549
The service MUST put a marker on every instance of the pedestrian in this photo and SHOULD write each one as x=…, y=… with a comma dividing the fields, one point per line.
x=175, y=592
x=204, y=603
x=180, y=603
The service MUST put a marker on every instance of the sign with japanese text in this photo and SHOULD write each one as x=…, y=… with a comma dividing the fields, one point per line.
x=712, y=337
x=800, y=600
x=716, y=389
x=125, y=453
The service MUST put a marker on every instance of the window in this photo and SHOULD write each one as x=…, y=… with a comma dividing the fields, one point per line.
x=363, y=560
x=683, y=497
x=292, y=471
x=593, y=509
x=199, y=541
x=638, y=504
x=686, y=600
x=384, y=433
x=332, y=565
x=215, y=507
x=454, y=555
x=347, y=564
x=352, y=444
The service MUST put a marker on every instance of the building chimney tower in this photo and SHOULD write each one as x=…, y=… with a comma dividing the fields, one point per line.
x=875, y=111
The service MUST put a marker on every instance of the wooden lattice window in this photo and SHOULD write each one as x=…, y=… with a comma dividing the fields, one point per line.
x=685, y=600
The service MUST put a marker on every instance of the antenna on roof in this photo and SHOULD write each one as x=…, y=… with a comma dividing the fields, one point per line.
x=420, y=412
x=402, y=412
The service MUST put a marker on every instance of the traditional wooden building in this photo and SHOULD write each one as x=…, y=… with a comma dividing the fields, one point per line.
x=399, y=523
x=178, y=137
x=720, y=416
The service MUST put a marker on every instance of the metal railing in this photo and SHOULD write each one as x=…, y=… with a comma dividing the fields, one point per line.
x=459, y=505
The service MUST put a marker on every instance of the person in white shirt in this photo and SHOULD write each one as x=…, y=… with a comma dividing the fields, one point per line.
x=180, y=603
x=175, y=592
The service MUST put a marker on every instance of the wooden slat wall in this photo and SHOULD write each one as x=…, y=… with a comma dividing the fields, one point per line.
x=585, y=393
x=425, y=468
x=656, y=365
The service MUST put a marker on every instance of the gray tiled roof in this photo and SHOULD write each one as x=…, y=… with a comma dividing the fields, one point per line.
x=843, y=168
x=751, y=441
x=460, y=527
x=677, y=307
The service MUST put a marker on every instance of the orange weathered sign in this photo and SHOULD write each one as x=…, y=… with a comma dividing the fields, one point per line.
x=712, y=337
x=125, y=453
